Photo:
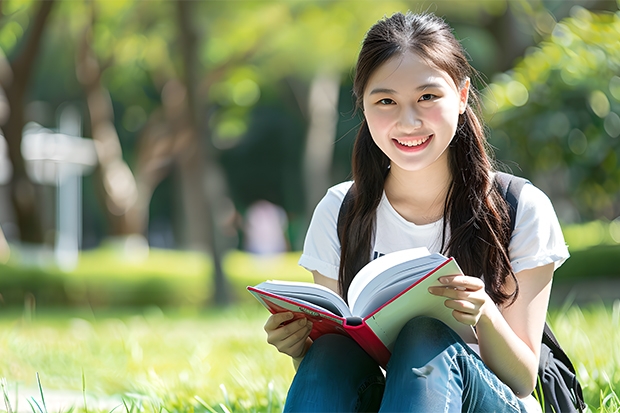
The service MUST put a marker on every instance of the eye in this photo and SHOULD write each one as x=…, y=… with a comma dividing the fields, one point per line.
x=427, y=97
x=386, y=101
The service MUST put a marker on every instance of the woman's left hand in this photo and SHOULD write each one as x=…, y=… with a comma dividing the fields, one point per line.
x=465, y=295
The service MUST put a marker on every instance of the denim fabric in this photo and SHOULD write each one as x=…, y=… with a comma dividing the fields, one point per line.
x=431, y=370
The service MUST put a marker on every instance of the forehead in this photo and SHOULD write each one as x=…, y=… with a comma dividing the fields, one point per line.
x=408, y=71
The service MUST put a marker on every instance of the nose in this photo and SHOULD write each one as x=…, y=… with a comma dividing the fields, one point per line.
x=409, y=120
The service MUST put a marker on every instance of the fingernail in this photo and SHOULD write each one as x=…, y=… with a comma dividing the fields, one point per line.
x=443, y=280
x=302, y=321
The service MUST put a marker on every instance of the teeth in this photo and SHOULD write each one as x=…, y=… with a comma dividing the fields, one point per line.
x=411, y=144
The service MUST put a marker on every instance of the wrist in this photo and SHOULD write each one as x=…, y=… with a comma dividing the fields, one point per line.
x=488, y=315
x=298, y=359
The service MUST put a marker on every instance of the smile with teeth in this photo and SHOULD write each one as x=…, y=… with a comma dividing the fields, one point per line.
x=412, y=143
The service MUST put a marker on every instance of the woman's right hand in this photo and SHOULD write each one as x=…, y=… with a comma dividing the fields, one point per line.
x=292, y=338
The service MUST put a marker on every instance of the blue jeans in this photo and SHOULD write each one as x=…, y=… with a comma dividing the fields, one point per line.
x=431, y=370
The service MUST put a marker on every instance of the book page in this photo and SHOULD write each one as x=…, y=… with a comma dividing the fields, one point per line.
x=315, y=294
x=387, y=285
x=388, y=269
x=389, y=320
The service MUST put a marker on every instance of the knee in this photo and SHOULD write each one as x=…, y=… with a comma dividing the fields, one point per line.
x=424, y=336
x=331, y=350
x=421, y=340
x=333, y=358
x=423, y=328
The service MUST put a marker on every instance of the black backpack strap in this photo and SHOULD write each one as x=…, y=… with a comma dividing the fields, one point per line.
x=347, y=203
x=510, y=187
x=549, y=340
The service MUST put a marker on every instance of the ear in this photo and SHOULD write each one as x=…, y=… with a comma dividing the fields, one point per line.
x=464, y=95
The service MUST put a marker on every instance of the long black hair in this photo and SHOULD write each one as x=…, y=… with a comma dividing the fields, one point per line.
x=475, y=211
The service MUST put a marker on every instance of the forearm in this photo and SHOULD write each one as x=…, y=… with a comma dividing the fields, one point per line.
x=506, y=354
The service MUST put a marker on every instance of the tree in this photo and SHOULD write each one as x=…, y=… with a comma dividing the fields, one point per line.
x=555, y=114
x=14, y=81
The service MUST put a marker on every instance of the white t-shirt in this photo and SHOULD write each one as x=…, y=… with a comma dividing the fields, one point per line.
x=537, y=239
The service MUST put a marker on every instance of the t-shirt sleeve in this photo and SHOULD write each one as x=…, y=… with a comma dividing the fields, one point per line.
x=537, y=239
x=322, y=247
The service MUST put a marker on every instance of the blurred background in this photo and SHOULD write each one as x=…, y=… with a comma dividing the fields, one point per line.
x=137, y=133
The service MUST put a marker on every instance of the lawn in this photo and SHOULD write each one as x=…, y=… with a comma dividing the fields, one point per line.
x=216, y=360
x=61, y=355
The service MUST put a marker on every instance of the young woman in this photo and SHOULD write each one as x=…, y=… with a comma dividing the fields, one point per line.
x=422, y=177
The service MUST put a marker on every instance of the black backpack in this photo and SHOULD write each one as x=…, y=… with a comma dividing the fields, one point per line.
x=558, y=389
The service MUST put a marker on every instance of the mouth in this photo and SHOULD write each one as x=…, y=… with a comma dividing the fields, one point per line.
x=412, y=143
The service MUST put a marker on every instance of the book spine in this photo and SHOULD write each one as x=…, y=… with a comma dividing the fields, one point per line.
x=368, y=340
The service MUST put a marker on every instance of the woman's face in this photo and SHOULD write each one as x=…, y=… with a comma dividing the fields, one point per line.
x=412, y=111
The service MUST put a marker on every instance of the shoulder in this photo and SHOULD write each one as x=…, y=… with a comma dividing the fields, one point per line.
x=534, y=204
x=537, y=238
x=321, y=250
x=329, y=206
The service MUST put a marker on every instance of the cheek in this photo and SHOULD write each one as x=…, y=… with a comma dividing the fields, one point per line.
x=447, y=116
x=378, y=123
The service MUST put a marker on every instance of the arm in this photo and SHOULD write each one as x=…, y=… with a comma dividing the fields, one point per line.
x=293, y=339
x=509, y=337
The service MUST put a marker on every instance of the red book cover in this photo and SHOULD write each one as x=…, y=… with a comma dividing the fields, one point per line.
x=377, y=330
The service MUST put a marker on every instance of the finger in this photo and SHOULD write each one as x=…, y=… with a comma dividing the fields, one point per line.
x=281, y=333
x=294, y=338
x=463, y=306
x=462, y=282
x=298, y=349
x=294, y=343
x=464, y=318
x=275, y=320
x=451, y=292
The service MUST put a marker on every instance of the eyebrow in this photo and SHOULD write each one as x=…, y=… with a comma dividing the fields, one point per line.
x=393, y=92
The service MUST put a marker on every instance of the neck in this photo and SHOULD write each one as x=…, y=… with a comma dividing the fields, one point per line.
x=419, y=196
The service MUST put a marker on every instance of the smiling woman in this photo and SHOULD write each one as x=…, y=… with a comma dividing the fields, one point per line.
x=423, y=178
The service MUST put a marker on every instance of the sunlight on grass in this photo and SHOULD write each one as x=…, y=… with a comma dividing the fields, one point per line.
x=591, y=338
x=167, y=359
x=218, y=360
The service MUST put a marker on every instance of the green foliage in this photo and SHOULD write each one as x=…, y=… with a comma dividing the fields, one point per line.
x=557, y=111
x=107, y=277
x=591, y=234
x=595, y=251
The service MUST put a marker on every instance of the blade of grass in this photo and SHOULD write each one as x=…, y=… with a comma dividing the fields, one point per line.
x=37, y=404
x=205, y=405
x=270, y=396
x=127, y=408
x=41, y=391
x=226, y=397
x=7, y=402
x=84, y=391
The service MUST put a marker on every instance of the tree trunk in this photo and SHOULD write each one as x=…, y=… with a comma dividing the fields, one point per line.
x=23, y=193
x=116, y=181
x=201, y=174
x=322, y=122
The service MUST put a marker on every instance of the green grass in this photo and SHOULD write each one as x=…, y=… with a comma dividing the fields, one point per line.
x=174, y=360
x=186, y=361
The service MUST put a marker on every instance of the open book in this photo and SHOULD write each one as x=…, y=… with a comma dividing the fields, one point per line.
x=383, y=296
